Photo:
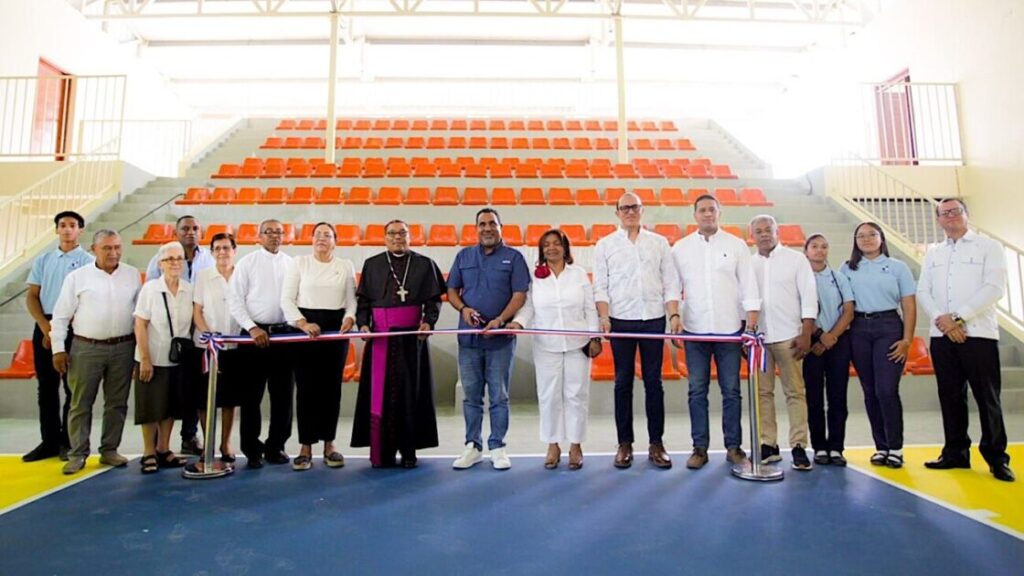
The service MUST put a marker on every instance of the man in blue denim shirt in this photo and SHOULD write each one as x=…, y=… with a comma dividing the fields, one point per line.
x=487, y=285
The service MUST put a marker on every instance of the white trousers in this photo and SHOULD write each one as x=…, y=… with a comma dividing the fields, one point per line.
x=563, y=395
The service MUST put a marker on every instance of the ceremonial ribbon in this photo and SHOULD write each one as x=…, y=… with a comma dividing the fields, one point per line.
x=754, y=342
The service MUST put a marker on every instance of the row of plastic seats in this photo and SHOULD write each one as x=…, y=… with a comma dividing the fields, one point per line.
x=473, y=143
x=494, y=124
x=473, y=168
x=469, y=196
x=446, y=234
x=919, y=362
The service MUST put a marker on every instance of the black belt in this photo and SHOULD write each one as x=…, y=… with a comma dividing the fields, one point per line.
x=873, y=315
x=282, y=328
x=117, y=340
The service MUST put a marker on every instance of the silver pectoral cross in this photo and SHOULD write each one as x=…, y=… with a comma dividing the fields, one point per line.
x=401, y=293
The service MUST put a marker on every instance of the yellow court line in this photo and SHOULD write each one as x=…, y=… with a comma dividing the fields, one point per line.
x=25, y=482
x=973, y=493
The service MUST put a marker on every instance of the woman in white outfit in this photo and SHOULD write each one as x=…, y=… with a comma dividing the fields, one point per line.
x=561, y=298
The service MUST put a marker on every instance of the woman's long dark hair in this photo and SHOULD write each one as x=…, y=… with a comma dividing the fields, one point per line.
x=856, y=255
x=561, y=237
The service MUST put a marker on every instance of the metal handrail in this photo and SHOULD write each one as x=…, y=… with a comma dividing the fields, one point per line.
x=908, y=217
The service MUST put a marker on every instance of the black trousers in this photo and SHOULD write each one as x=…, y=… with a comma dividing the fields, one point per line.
x=975, y=362
x=318, y=371
x=53, y=419
x=652, y=352
x=827, y=378
x=266, y=369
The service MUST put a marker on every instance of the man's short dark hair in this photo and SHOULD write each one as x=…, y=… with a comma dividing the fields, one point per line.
x=704, y=197
x=957, y=200
x=69, y=214
x=488, y=210
x=185, y=217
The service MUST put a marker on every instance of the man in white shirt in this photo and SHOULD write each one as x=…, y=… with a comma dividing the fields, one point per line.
x=962, y=279
x=254, y=297
x=188, y=231
x=719, y=293
x=635, y=284
x=789, y=306
x=97, y=301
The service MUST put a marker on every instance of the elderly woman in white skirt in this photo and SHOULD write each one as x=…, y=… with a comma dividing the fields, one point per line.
x=561, y=298
x=163, y=311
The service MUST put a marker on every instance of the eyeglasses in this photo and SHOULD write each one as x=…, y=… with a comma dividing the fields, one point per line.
x=867, y=235
x=273, y=232
x=951, y=213
x=173, y=259
x=399, y=234
x=630, y=208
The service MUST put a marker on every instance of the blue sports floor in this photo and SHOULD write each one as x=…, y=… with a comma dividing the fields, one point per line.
x=433, y=520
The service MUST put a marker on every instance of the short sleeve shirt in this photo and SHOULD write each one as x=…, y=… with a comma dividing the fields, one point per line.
x=833, y=291
x=879, y=284
x=50, y=269
x=487, y=282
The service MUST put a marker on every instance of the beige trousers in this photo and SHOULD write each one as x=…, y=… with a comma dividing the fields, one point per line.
x=781, y=354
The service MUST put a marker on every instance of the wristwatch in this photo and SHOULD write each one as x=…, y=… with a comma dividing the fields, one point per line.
x=956, y=318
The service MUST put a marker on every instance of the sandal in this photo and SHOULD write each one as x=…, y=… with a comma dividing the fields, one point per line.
x=148, y=464
x=837, y=459
x=170, y=460
x=553, y=457
x=334, y=460
x=575, y=457
x=302, y=462
x=879, y=458
x=894, y=460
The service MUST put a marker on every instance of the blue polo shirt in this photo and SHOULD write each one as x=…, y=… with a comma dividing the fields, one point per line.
x=879, y=284
x=50, y=269
x=833, y=291
x=487, y=282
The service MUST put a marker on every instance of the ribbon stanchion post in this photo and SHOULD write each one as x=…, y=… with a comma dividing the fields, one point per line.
x=752, y=468
x=208, y=467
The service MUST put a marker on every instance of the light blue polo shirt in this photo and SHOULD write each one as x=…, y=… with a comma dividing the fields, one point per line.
x=50, y=269
x=833, y=291
x=487, y=282
x=879, y=284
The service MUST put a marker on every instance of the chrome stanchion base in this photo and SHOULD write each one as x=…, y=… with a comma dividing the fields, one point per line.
x=197, y=470
x=747, y=470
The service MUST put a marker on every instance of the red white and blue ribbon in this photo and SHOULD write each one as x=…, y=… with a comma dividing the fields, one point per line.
x=754, y=342
x=213, y=341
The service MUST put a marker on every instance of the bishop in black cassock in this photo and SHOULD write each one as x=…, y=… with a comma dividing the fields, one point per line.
x=399, y=290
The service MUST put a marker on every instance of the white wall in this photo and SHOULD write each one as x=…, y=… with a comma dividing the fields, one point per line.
x=56, y=32
x=975, y=44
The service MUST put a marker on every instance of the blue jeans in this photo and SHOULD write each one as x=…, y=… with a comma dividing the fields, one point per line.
x=479, y=367
x=651, y=355
x=728, y=356
x=870, y=340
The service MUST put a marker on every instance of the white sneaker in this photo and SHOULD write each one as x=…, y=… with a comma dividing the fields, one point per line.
x=470, y=456
x=499, y=459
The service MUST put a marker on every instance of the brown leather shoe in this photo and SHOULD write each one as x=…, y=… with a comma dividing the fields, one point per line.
x=575, y=457
x=736, y=455
x=698, y=459
x=624, y=455
x=553, y=457
x=657, y=455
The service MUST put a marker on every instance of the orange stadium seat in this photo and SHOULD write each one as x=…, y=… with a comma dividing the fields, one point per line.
x=516, y=125
x=574, y=125
x=684, y=144
x=330, y=195
x=697, y=171
x=22, y=363
x=228, y=171
x=503, y=197
x=212, y=230
x=791, y=235
x=647, y=196
x=306, y=125
x=302, y=195
x=520, y=144
x=388, y=196
x=561, y=197
x=753, y=197
x=727, y=197
x=722, y=171
x=598, y=231
x=512, y=235
x=156, y=234
x=273, y=195
x=348, y=234
x=672, y=197
x=577, y=234
x=305, y=235
x=442, y=235
x=286, y=125
x=534, y=232
x=602, y=368
x=195, y=196
x=532, y=197
x=588, y=197
x=446, y=196
x=436, y=124
x=671, y=232
x=612, y=195
x=417, y=142
x=247, y=195
x=469, y=235
x=222, y=196
x=417, y=195
x=919, y=360
x=399, y=124
x=248, y=234
x=273, y=142
x=373, y=236
x=359, y=195
x=693, y=193
x=474, y=196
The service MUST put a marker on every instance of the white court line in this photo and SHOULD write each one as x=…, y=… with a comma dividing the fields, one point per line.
x=978, y=515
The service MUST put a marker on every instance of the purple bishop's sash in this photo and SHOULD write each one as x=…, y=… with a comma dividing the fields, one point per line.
x=384, y=319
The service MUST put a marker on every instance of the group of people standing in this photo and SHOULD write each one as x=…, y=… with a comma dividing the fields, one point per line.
x=815, y=320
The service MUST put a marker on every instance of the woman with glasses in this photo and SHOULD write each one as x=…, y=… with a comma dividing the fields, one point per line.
x=827, y=368
x=163, y=311
x=883, y=328
x=561, y=298
x=318, y=296
x=211, y=314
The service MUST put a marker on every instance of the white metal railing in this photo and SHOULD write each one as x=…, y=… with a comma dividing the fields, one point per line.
x=39, y=116
x=908, y=218
x=163, y=147
x=903, y=123
x=27, y=217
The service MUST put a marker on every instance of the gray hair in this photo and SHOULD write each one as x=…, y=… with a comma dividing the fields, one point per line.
x=764, y=218
x=639, y=200
x=103, y=234
x=165, y=248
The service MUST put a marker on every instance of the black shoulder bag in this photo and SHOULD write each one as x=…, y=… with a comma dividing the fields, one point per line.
x=180, y=347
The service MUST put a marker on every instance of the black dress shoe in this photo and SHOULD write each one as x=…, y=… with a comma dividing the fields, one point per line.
x=254, y=462
x=408, y=462
x=946, y=463
x=41, y=452
x=1003, y=472
x=277, y=457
